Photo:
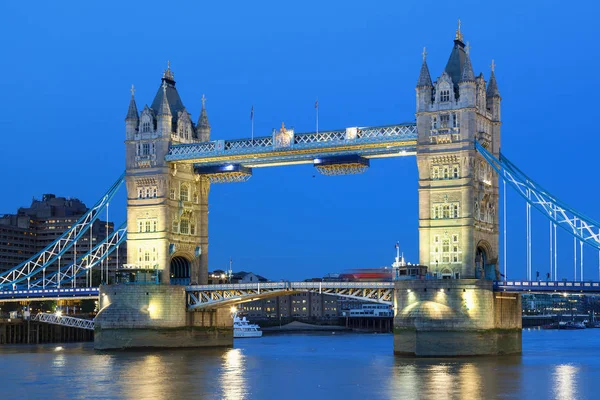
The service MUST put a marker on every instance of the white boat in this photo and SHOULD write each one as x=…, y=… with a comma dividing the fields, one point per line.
x=243, y=329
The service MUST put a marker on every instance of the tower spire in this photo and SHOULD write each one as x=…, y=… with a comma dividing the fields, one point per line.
x=424, y=75
x=168, y=74
x=459, y=35
x=467, y=74
x=164, y=104
x=203, y=119
x=492, y=89
x=132, y=112
x=203, y=126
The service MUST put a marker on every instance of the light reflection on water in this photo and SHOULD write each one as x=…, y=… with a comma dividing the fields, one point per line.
x=300, y=366
x=233, y=379
x=565, y=385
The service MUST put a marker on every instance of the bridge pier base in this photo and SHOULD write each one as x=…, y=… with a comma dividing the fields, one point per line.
x=142, y=316
x=455, y=317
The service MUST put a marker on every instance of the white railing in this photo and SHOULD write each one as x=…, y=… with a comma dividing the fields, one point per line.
x=325, y=139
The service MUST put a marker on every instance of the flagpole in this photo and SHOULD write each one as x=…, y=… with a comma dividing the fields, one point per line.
x=252, y=120
x=317, y=107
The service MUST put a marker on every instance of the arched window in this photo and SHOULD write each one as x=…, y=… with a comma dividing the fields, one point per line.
x=446, y=211
x=455, y=210
x=192, y=229
x=175, y=227
x=148, y=226
x=184, y=227
x=446, y=172
x=444, y=96
x=455, y=171
x=154, y=226
x=444, y=120
x=140, y=226
x=184, y=193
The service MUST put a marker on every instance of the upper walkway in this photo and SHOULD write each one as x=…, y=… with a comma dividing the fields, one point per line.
x=285, y=148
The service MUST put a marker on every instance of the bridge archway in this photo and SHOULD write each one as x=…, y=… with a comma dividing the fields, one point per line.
x=485, y=267
x=180, y=270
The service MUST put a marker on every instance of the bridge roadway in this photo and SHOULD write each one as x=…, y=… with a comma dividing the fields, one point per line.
x=203, y=296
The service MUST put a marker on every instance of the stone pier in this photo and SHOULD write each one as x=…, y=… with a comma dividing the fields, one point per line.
x=142, y=316
x=455, y=317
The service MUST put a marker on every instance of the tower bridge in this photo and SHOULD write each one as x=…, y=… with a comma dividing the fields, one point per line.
x=172, y=163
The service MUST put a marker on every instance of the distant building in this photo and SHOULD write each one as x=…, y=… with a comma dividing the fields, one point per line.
x=559, y=304
x=33, y=228
x=300, y=306
x=247, y=277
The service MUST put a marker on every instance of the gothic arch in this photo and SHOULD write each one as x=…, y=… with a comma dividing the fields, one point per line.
x=180, y=270
x=485, y=261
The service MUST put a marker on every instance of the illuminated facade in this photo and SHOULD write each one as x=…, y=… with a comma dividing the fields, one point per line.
x=458, y=192
x=167, y=204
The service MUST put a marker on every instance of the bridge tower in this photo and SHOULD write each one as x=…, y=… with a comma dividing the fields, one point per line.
x=458, y=222
x=167, y=204
x=458, y=190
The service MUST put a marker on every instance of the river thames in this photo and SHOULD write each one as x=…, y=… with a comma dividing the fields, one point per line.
x=554, y=364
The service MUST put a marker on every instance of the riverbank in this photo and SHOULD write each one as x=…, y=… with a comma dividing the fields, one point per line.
x=297, y=326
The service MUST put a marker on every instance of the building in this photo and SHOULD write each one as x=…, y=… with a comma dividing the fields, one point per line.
x=247, y=277
x=559, y=304
x=33, y=228
x=300, y=306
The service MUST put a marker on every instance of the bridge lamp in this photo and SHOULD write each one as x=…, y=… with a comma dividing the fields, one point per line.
x=233, y=310
x=58, y=313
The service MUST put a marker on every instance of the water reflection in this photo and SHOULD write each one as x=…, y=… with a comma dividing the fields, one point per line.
x=464, y=378
x=233, y=380
x=565, y=381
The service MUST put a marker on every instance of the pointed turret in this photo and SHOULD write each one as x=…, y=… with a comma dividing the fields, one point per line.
x=203, y=126
x=165, y=118
x=424, y=85
x=424, y=76
x=164, y=108
x=492, y=89
x=467, y=71
x=132, y=119
x=132, y=112
x=467, y=88
x=493, y=95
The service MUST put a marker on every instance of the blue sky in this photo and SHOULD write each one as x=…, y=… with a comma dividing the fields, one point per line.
x=67, y=69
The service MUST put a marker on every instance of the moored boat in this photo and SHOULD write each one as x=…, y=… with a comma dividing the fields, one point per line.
x=243, y=329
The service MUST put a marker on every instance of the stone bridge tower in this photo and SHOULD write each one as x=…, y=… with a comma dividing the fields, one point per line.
x=458, y=191
x=167, y=204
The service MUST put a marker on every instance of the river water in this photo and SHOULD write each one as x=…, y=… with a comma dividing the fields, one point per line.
x=554, y=364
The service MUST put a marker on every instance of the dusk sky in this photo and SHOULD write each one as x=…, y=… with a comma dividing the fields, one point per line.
x=68, y=66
